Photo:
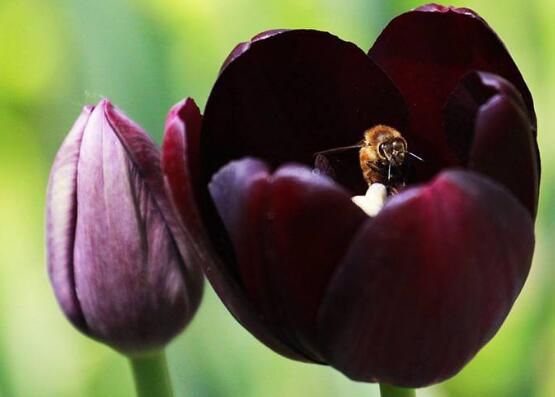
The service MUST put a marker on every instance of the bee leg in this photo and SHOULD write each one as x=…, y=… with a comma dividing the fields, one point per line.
x=392, y=191
x=389, y=173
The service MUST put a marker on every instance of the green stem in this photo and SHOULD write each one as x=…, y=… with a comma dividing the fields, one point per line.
x=394, y=391
x=151, y=375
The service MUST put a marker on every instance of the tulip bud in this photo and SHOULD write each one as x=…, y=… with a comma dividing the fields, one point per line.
x=115, y=266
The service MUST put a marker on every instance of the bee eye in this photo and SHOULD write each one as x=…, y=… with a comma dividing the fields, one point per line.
x=385, y=149
x=399, y=146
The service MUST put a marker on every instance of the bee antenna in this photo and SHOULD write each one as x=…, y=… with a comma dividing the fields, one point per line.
x=338, y=149
x=415, y=156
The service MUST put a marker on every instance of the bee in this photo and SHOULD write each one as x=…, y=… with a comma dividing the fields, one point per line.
x=382, y=155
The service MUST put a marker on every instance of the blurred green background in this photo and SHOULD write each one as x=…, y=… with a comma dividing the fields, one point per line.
x=57, y=55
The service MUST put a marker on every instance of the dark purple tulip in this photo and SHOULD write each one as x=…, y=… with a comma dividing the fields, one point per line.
x=406, y=297
x=115, y=257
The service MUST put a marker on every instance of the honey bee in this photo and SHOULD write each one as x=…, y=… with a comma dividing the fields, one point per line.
x=382, y=156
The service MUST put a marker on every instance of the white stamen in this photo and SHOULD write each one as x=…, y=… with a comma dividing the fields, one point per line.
x=373, y=201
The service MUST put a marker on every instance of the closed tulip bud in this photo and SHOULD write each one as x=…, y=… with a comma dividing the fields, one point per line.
x=114, y=260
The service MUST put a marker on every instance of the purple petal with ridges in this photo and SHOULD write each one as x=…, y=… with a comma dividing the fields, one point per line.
x=180, y=163
x=428, y=281
x=486, y=121
x=61, y=213
x=146, y=156
x=128, y=274
x=417, y=51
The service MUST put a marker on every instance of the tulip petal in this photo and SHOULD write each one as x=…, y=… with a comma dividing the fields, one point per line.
x=432, y=7
x=426, y=52
x=309, y=225
x=486, y=120
x=180, y=161
x=140, y=303
x=61, y=215
x=145, y=155
x=180, y=164
x=239, y=192
x=280, y=236
x=243, y=47
x=427, y=282
x=292, y=94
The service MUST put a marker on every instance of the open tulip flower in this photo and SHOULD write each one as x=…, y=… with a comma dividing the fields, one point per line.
x=406, y=297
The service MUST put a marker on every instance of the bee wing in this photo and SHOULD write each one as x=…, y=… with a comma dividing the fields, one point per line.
x=322, y=166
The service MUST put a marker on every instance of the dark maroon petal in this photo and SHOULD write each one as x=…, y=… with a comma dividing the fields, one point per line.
x=502, y=127
x=487, y=124
x=242, y=47
x=289, y=95
x=61, y=214
x=180, y=164
x=433, y=7
x=180, y=153
x=286, y=97
x=426, y=52
x=428, y=281
x=240, y=192
x=309, y=224
x=286, y=249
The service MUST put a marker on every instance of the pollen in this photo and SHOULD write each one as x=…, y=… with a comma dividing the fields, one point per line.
x=374, y=199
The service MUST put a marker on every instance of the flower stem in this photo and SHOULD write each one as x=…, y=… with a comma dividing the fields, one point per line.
x=394, y=391
x=151, y=375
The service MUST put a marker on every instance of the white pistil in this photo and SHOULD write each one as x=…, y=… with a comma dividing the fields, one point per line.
x=374, y=199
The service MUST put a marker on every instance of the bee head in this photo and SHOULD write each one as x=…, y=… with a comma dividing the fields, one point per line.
x=393, y=150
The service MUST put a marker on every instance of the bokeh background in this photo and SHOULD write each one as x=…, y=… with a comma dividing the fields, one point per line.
x=57, y=55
